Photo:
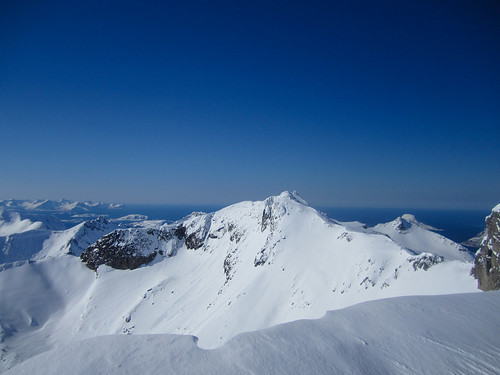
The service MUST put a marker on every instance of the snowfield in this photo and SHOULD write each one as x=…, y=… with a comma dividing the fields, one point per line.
x=247, y=267
x=454, y=334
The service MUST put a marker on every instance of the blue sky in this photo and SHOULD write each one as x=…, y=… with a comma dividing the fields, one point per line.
x=353, y=103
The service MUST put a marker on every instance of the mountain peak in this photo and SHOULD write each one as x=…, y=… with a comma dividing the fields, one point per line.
x=418, y=238
x=406, y=221
x=409, y=217
x=287, y=195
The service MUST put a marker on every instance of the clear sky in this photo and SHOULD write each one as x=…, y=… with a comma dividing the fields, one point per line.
x=363, y=103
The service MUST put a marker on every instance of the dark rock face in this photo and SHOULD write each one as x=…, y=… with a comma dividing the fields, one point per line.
x=260, y=258
x=194, y=241
x=134, y=247
x=267, y=218
x=425, y=262
x=487, y=263
x=403, y=225
x=78, y=243
x=116, y=250
x=195, y=230
x=180, y=232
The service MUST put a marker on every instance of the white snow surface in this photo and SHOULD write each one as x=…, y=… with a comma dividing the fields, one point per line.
x=255, y=265
x=454, y=334
x=496, y=208
x=11, y=223
x=21, y=238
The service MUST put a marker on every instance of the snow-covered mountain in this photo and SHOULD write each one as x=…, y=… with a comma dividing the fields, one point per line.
x=75, y=240
x=11, y=223
x=417, y=237
x=62, y=205
x=249, y=266
x=22, y=239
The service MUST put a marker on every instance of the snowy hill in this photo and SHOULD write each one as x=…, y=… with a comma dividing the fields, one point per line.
x=406, y=335
x=76, y=239
x=22, y=239
x=11, y=223
x=246, y=267
x=417, y=237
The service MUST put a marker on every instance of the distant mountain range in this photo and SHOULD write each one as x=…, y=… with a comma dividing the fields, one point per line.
x=62, y=205
x=247, y=267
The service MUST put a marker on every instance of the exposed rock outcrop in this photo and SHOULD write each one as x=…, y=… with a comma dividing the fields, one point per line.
x=113, y=250
x=487, y=263
x=131, y=248
x=134, y=247
x=425, y=261
x=194, y=229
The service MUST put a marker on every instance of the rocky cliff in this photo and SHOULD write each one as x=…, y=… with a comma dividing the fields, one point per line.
x=487, y=263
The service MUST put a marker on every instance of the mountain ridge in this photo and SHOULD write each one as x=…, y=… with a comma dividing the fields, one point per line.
x=61, y=205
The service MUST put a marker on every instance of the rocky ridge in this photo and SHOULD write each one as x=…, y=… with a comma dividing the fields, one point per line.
x=487, y=263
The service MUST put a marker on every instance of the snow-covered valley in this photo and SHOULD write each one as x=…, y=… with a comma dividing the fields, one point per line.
x=247, y=267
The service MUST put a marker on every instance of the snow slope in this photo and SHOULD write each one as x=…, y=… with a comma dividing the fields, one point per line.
x=76, y=239
x=415, y=236
x=22, y=239
x=455, y=334
x=11, y=223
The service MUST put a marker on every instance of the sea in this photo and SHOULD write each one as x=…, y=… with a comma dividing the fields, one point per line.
x=458, y=225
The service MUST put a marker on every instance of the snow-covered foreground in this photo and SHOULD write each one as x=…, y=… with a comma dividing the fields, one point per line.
x=453, y=334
